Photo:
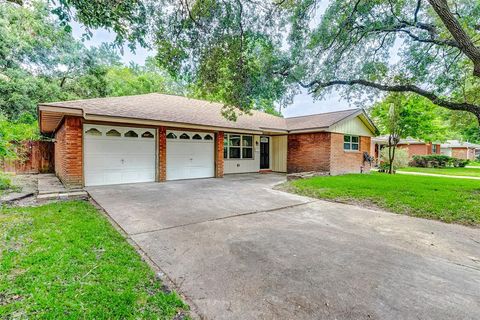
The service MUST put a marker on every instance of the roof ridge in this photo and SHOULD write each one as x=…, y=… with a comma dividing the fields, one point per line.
x=323, y=113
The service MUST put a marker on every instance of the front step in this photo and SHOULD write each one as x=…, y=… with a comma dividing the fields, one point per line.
x=73, y=195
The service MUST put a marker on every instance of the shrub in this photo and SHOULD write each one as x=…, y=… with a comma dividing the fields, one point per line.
x=437, y=161
x=461, y=163
x=433, y=160
x=400, y=161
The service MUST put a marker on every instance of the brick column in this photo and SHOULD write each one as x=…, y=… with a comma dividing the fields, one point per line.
x=219, y=154
x=162, y=154
x=69, y=152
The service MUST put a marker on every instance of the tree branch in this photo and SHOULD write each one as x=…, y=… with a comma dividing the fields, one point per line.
x=465, y=43
x=462, y=106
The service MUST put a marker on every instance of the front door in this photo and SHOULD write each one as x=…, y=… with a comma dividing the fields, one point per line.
x=264, y=152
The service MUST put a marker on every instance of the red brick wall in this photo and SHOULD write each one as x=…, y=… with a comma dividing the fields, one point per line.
x=69, y=152
x=308, y=152
x=461, y=153
x=416, y=149
x=162, y=154
x=348, y=161
x=219, y=154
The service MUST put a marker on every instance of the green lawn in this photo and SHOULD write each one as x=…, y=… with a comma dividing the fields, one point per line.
x=65, y=261
x=470, y=172
x=446, y=199
x=474, y=164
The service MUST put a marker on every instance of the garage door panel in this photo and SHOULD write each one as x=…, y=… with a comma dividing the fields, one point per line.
x=118, y=159
x=190, y=159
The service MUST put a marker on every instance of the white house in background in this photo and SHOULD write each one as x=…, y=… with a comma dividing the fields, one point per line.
x=460, y=150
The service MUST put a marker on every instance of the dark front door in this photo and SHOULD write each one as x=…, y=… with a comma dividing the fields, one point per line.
x=264, y=152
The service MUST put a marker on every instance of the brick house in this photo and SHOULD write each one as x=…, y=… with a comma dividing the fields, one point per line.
x=158, y=137
x=414, y=147
x=460, y=150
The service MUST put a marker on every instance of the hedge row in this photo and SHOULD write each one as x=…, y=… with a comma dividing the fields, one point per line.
x=437, y=161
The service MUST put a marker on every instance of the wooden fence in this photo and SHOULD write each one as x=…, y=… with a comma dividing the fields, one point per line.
x=37, y=157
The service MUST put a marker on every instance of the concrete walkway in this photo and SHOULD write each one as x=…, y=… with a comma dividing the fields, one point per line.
x=51, y=188
x=436, y=175
x=236, y=249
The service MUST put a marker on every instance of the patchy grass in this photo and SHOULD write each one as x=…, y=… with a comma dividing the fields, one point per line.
x=464, y=172
x=445, y=199
x=65, y=261
x=6, y=184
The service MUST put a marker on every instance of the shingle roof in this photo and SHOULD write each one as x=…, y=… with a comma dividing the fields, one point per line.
x=407, y=140
x=321, y=120
x=164, y=107
x=178, y=109
x=459, y=144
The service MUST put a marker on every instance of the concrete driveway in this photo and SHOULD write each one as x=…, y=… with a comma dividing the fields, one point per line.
x=239, y=250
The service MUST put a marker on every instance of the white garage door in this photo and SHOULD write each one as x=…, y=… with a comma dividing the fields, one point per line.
x=190, y=155
x=115, y=155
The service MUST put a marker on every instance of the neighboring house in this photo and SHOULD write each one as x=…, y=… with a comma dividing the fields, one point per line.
x=158, y=137
x=460, y=150
x=414, y=147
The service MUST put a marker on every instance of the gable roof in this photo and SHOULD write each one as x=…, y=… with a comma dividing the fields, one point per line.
x=459, y=144
x=327, y=120
x=407, y=140
x=173, y=110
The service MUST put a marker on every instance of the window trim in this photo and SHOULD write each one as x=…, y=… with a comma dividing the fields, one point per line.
x=351, y=143
x=226, y=146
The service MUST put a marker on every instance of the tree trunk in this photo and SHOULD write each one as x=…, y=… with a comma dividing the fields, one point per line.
x=392, y=146
x=465, y=43
x=391, y=158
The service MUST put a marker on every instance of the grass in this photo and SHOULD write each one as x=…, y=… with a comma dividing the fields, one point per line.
x=474, y=164
x=65, y=261
x=445, y=199
x=6, y=183
x=466, y=172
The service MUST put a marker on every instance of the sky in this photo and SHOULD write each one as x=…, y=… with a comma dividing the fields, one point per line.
x=303, y=103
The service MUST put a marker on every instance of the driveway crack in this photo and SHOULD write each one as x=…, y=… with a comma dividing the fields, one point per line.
x=227, y=217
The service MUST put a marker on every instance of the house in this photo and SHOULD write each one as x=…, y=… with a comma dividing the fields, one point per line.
x=158, y=137
x=414, y=147
x=460, y=150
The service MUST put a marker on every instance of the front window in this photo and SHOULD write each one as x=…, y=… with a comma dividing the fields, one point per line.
x=434, y=148
x=236, y=146
x=351, y=143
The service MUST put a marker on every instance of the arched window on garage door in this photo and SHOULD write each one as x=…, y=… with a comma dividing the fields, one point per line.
x=147, y=134
x=131, y=134
x=93, y=132
x=113, y=133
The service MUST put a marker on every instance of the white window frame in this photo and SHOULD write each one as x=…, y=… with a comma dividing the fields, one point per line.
x=226, y=146
x=351, y=143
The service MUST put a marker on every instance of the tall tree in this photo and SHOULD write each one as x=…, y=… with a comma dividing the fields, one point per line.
x=406, y=115
x=257, y=53
x=425, y=47
x=41, y=61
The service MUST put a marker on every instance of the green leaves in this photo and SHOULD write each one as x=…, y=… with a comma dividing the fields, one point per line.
x=26, y=128
x=413, y=117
